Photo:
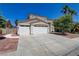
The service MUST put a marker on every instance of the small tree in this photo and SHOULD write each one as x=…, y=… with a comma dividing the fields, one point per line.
x=63, y=23
x=0, y=30
x=75, y=28
x=2, y=23
x=16, y=23
x=8, y=26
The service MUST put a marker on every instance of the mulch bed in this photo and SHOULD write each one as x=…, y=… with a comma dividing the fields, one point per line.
x=68, y=35
x=8, y=44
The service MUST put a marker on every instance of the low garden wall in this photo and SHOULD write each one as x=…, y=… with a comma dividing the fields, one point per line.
x=8, y=31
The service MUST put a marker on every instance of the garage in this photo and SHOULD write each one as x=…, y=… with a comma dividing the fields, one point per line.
x=34, y=25
x=40, y=30
x=24, y=30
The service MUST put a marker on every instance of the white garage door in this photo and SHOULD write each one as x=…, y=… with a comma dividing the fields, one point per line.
x=23, y=30
x=39, y=30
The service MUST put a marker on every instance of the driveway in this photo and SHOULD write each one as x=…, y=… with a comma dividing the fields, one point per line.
x=46, y=45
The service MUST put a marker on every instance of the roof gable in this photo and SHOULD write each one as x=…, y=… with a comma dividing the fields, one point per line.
x=40, y=22
x=36, y=21
x=32, y=17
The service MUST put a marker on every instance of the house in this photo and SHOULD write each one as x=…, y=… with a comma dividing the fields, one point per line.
x=35, y=25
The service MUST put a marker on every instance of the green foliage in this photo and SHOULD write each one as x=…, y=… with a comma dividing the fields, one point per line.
x=65, y=23
x=67, y=10
x=2, y=22
x=16, y=22
x=72, y=12
x=76, y=28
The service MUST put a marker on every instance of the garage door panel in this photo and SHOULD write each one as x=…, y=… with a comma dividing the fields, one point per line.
x=40, y=30
x=34, y=30
x=23, y=30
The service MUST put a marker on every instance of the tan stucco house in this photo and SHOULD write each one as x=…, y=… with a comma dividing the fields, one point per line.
x=35, y=25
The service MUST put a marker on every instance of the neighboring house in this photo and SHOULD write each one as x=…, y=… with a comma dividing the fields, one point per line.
x=35, y=25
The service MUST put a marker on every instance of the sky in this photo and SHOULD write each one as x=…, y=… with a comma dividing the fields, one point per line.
x=20, y=11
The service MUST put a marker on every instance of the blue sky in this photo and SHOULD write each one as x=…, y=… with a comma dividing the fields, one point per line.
x=21, y=10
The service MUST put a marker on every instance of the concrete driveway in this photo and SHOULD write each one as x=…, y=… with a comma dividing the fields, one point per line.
x=46, y=45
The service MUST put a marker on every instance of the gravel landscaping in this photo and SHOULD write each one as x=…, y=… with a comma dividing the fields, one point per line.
x=8, y=44
x=67, y=35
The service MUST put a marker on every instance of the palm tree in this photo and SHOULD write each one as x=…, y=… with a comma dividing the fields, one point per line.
x=72, y=12
x=68, y=15
x=65, y=9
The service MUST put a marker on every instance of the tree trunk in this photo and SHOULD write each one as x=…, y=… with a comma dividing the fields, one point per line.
x=63, y=31
x=0, y=31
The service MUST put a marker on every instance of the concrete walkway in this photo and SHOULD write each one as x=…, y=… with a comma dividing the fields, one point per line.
x=46, y=45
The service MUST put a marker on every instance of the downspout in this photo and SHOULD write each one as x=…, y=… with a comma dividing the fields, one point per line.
x=49, y=28
x=30, y=29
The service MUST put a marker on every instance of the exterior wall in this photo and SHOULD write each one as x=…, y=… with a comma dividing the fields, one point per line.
x=8, y=31
x=51, y=27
